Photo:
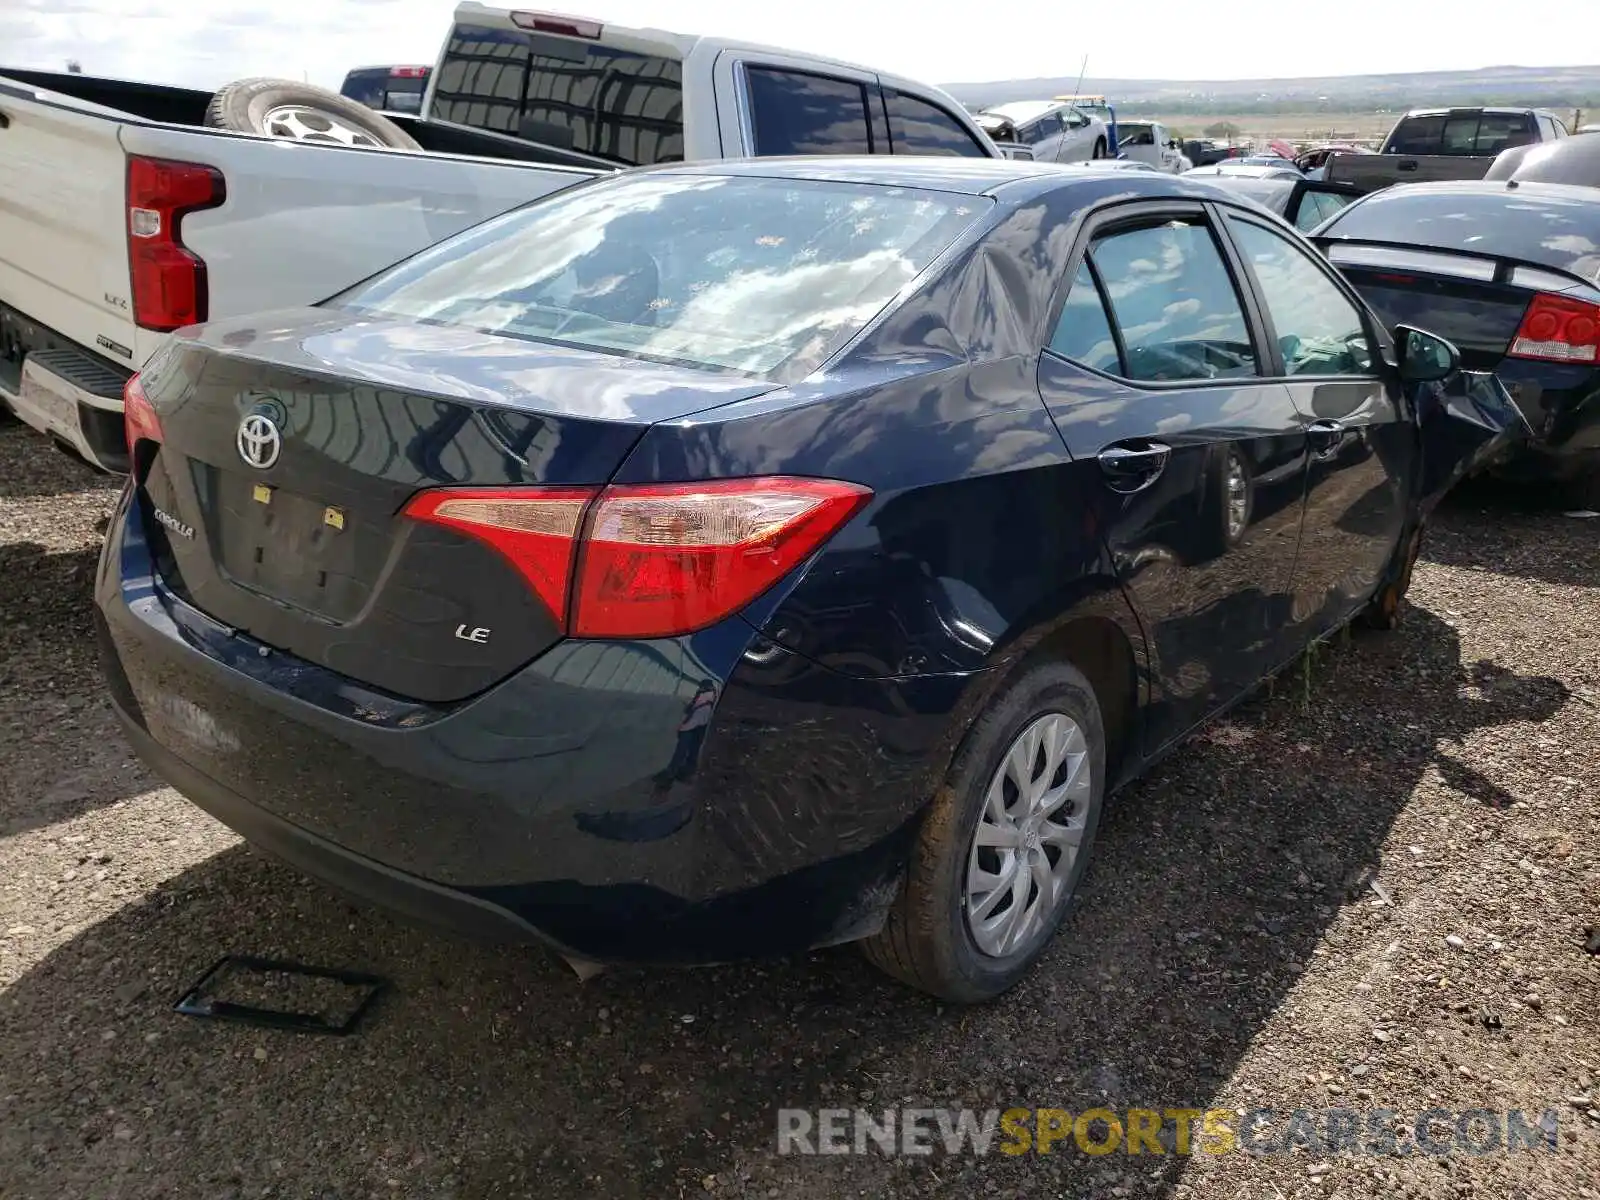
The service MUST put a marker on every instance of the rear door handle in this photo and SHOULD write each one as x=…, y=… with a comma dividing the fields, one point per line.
x=1132, y=468
x=1409, y=165
x=1326, y=437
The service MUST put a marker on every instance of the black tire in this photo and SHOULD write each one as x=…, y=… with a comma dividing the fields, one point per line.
x=1099, y=147
x=243, y=106
x=1583, y=491
x=925, y=941
x=1384, y=610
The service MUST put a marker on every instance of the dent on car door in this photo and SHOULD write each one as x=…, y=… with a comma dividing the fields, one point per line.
x=1194, y=463
x=1363, y=445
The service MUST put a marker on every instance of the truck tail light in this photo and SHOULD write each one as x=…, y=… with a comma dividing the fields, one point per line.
x=139, y=421
x=1559, y=329
x=649, y=560
x=169, y=281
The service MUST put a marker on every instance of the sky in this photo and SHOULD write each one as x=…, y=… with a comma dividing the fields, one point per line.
x=938, y=41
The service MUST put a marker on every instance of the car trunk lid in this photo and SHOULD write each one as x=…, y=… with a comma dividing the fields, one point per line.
x=290, y=443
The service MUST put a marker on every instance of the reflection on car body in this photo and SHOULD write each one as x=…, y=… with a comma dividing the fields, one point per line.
x=836, y=573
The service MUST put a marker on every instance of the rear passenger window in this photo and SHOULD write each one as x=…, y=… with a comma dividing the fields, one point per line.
x=917, y=127
x=1035, y=132
x=1174, y=303
x=799, y=113
x=1083, y=333
x=1319, y=330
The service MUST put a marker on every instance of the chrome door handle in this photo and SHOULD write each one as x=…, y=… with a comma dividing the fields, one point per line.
x=1129, y=469
x=1326, y=437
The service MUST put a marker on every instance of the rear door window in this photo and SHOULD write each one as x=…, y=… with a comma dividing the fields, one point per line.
x=1083, y=332
x=1034, y=132
x=1174, y=303
x=572, y=93
x=796, y=112
x=918, y=127
x=1417, y=135
x=1497, y=131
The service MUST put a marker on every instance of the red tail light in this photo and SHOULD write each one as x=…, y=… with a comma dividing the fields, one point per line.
x=169, y=282
x=651, y=560
x=139, y=420
x=408, y=72
x=1559, y=329
x=535, y=528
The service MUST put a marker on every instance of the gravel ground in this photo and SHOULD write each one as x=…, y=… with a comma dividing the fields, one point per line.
x=1266, y=924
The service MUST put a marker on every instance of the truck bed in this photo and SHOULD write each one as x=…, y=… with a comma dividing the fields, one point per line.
x=299, y=222
x=1370, y=172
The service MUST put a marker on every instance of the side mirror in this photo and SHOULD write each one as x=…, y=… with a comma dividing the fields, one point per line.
x=1424, y=357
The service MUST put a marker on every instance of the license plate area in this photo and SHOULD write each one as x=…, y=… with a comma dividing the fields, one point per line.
x=293, y=548
x=59, y=410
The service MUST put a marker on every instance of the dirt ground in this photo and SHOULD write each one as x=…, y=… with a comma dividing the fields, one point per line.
x=1265, y=925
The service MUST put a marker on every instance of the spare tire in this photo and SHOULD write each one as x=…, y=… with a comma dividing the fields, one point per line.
x=282, y=108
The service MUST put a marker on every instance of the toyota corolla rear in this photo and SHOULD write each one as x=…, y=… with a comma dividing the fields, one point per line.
x=373, y=598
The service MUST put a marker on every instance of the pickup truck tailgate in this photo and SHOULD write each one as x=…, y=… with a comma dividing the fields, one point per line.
x=63, y=250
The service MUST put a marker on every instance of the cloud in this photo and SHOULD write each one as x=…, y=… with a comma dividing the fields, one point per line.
x=179, y=41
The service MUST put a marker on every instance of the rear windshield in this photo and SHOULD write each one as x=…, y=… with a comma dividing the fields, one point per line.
x=565, y=92
x=380, y=89
x=761, y=276
x=1467, y=133
x=1548, y=225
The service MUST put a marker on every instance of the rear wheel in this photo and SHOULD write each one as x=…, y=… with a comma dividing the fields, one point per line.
x=1005, y=843
x=1583, y=492
x=1383, y=611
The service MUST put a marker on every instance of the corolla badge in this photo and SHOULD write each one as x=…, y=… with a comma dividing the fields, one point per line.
x=259, y=441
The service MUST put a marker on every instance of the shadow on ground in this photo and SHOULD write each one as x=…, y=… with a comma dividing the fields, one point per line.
x=34, y=468
x=61, y=749
x=1522, y=541
x=493, y=1072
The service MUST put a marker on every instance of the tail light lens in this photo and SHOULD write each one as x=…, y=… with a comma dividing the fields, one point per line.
x=653, y=560
x=1559, y=329
x=535, y=528
x=169, y=281
x=669, y=559
x=139, y=420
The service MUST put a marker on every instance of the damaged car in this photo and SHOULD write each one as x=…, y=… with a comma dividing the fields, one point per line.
x=735, y=558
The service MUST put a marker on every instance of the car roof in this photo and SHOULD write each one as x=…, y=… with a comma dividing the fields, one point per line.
x=1253, y=170
x=1025, y=110
x=1472, y=108
x=1013, y=180
x=1567, y=160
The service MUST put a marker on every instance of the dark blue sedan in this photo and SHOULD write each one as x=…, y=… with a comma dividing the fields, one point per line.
x=724, y=560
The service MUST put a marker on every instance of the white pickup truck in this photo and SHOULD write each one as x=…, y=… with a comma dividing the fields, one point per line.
x=126, y=212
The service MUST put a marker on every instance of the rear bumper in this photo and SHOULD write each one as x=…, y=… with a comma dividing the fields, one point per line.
x=71, y=398
x=565, y=804
x=1562, y=405
x=362, y=878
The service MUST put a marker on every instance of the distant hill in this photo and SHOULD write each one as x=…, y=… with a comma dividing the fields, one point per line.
x=1554, y=86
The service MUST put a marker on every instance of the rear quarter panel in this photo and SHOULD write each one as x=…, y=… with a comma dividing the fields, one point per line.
x=63, y=254
x=979, y=539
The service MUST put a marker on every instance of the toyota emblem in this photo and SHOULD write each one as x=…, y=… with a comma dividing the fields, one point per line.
x=259, y=441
